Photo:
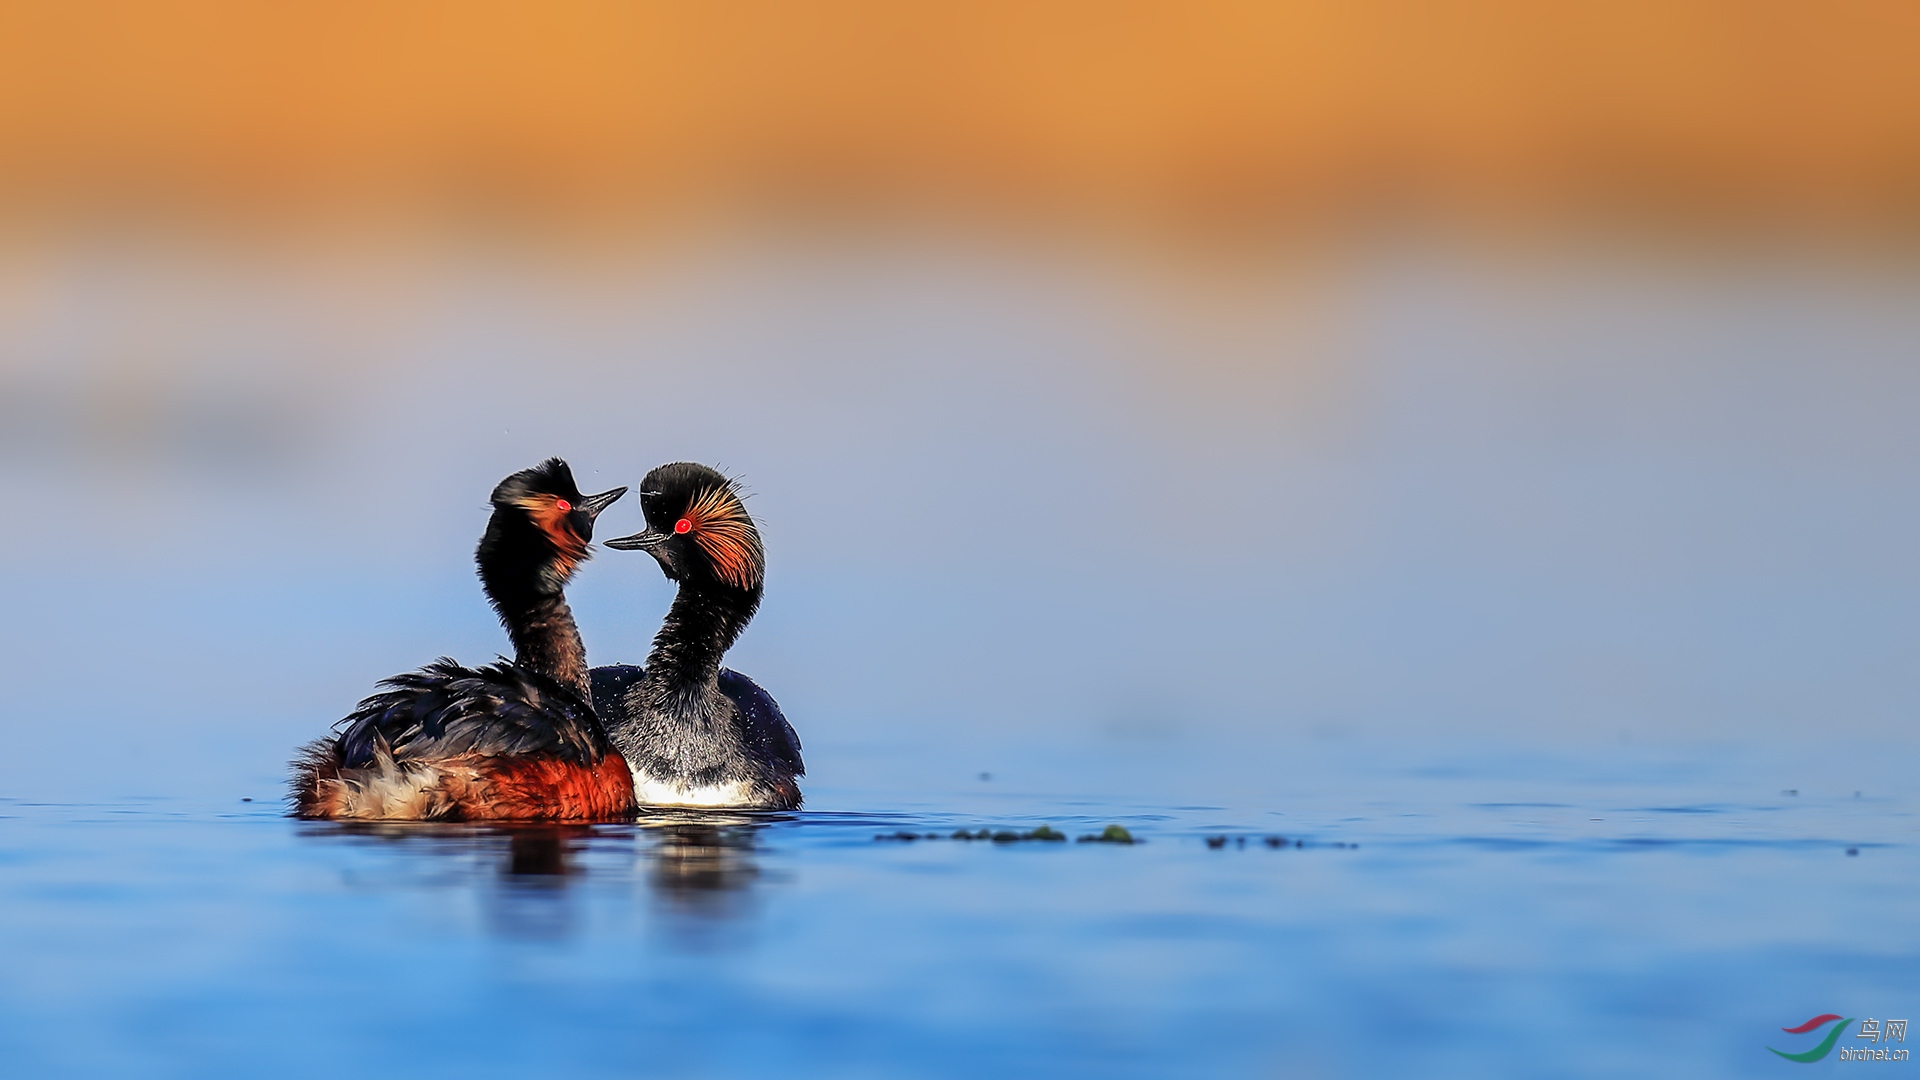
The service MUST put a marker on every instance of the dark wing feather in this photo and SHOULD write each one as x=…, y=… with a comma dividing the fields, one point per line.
x=764, y=724
x=445, y=710
x=610, y=686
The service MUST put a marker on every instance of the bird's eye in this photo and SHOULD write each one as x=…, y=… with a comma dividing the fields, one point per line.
x=683, y=526
x=563, y=504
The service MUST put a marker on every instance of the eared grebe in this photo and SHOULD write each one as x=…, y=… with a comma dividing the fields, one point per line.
x=510, y=741
x=693, y=732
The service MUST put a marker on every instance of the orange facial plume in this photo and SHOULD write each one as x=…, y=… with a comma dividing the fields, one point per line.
x=549, y=513
x=719, y=524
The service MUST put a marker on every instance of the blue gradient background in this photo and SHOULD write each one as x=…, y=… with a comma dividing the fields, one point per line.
x=1543, y=572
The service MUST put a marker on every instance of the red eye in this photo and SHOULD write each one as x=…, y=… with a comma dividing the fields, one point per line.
x=563, y=504
x=683, y=526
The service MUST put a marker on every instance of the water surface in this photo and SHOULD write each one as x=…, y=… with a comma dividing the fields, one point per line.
x=1359, y=911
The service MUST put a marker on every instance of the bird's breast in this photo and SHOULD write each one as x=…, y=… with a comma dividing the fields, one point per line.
x=649, y=790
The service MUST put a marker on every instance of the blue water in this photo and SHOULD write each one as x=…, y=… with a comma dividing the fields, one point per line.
x=1434, y=912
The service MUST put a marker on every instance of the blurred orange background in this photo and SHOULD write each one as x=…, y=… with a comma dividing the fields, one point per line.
x=286, y=287
x=1216, y=111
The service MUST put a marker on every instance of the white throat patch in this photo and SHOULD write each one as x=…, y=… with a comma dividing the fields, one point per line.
x=652, y=791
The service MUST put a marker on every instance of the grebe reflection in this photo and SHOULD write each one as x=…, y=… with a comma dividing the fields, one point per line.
x=528, y=877
x=700, y=863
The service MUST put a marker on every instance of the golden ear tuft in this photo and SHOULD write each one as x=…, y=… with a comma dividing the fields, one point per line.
x=720, y=525
x=545, y=512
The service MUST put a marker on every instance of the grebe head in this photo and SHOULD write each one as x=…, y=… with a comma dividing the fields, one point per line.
x=698, y=529
x=541, y=522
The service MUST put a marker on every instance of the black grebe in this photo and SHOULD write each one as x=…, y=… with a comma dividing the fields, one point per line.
x=693, y=732
x=510, y=741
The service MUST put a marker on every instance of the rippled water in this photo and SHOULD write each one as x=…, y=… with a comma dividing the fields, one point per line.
x=1429, y=912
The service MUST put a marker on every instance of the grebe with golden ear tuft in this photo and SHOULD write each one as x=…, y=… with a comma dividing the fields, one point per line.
x=695, y=733
x=510, y=741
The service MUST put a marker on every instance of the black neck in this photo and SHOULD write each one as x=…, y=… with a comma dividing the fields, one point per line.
x=546, y=640
x=700, y=626
x=525, y=584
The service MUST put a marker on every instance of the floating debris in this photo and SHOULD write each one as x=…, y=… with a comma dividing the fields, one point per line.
x=1045, y=834
x=1000, y=836
x=1853, y=851
x=1275, y=842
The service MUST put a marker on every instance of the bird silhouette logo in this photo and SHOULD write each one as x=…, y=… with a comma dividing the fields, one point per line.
x=1825, y=1047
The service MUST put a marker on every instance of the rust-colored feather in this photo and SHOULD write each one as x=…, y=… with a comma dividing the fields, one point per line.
x=545, y=788
x=464, y=788
x=720, y=525
x=551, y=520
